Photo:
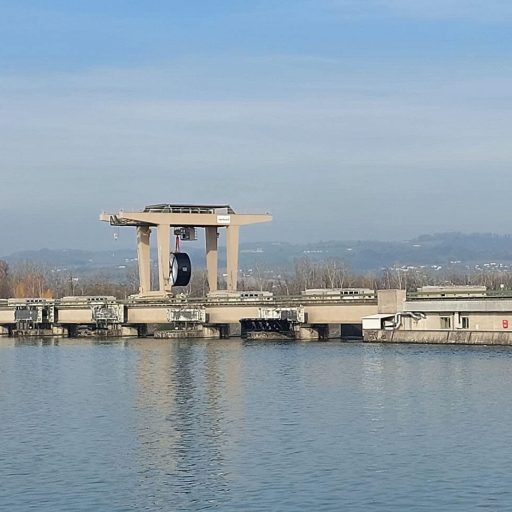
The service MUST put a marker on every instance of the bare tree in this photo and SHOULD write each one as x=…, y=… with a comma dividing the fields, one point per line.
x=333, y=273
x=5, y=284
x=30, y=280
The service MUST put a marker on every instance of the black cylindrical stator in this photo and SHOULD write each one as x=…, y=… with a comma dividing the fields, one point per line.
x=180, y=269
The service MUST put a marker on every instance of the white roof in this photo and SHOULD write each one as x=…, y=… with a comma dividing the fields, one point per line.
x=380, y=315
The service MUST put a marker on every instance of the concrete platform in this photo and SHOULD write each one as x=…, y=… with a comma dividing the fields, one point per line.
x=439, y=337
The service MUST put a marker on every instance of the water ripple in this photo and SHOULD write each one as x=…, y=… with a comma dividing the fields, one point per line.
x=226, y=425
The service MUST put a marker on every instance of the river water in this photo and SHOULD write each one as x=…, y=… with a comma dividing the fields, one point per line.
x=239, y=426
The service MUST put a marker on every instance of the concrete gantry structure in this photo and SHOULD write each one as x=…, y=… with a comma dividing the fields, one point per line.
x=163, y=217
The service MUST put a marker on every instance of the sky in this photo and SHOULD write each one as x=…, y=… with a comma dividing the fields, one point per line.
x=345, y=119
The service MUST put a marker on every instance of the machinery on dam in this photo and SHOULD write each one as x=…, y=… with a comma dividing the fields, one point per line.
x=174, y=268
x=446, y=314
x=156, y=310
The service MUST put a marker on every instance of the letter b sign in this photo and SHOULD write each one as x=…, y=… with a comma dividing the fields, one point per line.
x=505, y=324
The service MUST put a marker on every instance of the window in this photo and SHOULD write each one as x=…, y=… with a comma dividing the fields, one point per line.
x=464, y=322
x=446, y=322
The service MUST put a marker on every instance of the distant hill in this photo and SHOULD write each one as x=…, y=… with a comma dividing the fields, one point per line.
x=446, y=249
x=73, y=258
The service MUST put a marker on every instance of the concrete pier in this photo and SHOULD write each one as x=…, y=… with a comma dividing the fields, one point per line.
x=439, y=337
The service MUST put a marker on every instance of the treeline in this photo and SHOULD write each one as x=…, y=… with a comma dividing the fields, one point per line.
x=31, y=280
x=333, y=273
x=27, y=279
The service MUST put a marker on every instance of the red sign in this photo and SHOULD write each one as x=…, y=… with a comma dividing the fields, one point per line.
x=505, y=324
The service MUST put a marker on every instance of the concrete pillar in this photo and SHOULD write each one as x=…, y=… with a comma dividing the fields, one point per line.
x=235, y=329
x=211, y=331
x=333, y=331
x=391, y=301
x=127, y=330
x=212, y=257
x=306, y=333
x=144, y=258
x=163, y=246
x=58, y=330
x=232, y=236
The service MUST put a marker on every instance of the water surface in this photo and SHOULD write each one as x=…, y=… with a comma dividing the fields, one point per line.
x=238, y=426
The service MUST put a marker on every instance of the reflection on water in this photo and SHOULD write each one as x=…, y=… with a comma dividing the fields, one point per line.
x=180, y=387
x=227, y=425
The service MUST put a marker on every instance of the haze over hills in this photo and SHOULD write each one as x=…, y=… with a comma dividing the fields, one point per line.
x=455, y=250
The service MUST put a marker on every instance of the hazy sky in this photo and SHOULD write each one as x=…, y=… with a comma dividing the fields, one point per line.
x=346, y=119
